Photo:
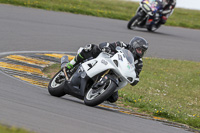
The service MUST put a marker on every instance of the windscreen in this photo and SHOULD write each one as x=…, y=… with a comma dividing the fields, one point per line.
x=155, y=4
x=128, y=55
x=158, y=4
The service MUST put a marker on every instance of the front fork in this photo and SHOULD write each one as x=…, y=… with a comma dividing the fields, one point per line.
x=64, y=70
x=143, y=16
x=104, y=78
x=101, y=81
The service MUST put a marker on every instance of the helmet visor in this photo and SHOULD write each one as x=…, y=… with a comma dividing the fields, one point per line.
x=140, y=51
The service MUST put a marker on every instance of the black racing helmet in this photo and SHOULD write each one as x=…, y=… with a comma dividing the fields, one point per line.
x=138, y=46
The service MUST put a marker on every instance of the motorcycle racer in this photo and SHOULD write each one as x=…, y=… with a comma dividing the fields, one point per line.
x=168, y=7
x=166, y=11
x=138, y=46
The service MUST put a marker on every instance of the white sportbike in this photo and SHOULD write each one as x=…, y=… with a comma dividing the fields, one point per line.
x=95, y=80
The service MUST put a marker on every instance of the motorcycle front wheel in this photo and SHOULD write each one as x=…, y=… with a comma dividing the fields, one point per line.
x=133, y=22
x=56, y=84
x=96, y=96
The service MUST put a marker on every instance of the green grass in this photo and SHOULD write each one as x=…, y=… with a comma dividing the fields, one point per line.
x=52, y=70
x=167, y=88
x=116, y=9
x=8, y=129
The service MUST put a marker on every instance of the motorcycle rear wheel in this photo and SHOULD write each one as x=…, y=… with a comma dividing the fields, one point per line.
x=96, y=96
x=152, y=28
x=57, y=89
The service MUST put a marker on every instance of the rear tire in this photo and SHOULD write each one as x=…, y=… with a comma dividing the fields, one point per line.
x=152, y=28
x=56, y=89
x=97, y=96
x=149, y=28
x=133, y=22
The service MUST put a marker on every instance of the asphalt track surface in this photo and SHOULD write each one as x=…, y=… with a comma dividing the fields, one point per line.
x=31, y=107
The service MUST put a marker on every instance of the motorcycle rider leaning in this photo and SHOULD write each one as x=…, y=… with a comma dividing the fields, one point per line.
x=137, y=46
x=168, y=7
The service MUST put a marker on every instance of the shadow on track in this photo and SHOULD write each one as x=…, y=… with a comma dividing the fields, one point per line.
x=78, y=101
x=155, y=33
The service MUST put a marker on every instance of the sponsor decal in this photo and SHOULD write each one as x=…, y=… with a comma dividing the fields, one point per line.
x=130, y=66
x=104, y=62
x=120, y=57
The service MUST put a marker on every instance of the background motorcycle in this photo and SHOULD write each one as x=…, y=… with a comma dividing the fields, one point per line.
x=95, y=80
x=147, y=15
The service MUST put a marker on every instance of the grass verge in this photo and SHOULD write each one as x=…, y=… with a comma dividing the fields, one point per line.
x=167, y=88
x=8, y=129
x=116, y=9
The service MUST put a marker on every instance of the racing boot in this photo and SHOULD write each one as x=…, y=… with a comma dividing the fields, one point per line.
x=78, y=58
x=88, y=51
x=113, y=98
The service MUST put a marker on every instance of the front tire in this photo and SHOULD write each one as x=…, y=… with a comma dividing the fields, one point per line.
x=96, y=96
x=57, y=89
x=133, y=22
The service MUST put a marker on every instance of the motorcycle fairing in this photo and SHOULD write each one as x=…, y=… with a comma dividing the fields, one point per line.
x=103, y=62
x=97, y=65
x=151, y=6
x=77, y=83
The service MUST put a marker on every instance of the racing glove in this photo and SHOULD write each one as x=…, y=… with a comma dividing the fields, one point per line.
x=106, y=49
x=136, y=80
x=121, y=44
x=134, y=83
